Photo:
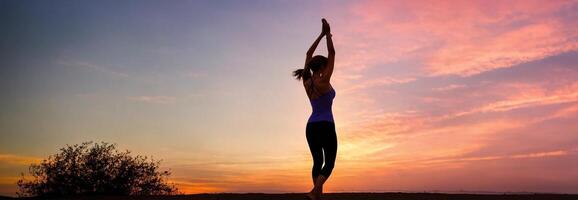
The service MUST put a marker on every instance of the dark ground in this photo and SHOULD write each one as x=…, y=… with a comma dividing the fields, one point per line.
x=341, y=196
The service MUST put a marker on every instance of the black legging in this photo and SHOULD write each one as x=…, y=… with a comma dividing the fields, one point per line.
x=322, y=139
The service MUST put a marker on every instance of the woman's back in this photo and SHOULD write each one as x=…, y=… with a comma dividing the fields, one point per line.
x=321, y=103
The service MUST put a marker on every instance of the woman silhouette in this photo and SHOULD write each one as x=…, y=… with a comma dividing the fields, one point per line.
x=320, y=130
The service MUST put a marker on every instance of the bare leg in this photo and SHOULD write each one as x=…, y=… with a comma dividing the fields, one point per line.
x=318, y=188
x=313, y=193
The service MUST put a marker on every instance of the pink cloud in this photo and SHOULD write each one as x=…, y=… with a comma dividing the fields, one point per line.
x=529, y=96
x=460, y=124
x=532, y=42
x=449, y=87
x=454, y=37
x=416, y=138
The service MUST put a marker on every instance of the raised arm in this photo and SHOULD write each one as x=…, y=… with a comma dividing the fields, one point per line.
x=304, y=74
x=312, y=50
x=328, y=70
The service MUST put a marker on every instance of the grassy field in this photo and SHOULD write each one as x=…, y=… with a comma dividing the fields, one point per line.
x=343, y=196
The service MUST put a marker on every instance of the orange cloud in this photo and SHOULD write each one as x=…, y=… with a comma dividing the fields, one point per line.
x=261, y=174
x=8, y=180
x=542, y=154
x=12, y=159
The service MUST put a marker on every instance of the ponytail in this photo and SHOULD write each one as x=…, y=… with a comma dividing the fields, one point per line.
x=315, y=64
x=302, y=74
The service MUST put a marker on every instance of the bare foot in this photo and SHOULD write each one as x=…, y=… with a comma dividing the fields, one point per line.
x=311, y=196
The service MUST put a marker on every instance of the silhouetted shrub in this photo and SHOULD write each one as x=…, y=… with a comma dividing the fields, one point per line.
x=95, y=169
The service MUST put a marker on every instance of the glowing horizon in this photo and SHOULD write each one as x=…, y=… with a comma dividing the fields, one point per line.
x=431, y=95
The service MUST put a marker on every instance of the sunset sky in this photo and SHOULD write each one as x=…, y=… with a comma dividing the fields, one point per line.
x=431, y=95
